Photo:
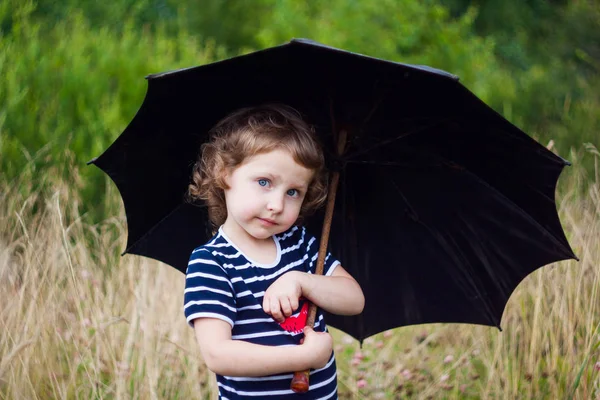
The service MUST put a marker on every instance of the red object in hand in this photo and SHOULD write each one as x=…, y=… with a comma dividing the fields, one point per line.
x=295, y=324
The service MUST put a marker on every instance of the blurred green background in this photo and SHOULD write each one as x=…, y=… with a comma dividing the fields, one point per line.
x=72, y=72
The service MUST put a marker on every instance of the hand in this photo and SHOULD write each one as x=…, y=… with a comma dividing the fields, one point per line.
x=318, y=345
x=281, y=298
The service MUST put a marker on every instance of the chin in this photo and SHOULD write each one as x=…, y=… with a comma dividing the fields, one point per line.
x=262, y=235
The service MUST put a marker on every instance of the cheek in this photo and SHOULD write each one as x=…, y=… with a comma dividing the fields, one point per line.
x=292, y=210
x=249, y=204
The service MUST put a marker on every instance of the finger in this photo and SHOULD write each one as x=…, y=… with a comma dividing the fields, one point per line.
x=286, y=306
x=308, y=330
x=267, y=305
x=294, y=303
x=276, y=310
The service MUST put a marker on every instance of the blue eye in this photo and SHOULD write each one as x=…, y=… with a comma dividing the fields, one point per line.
x=292, y=192
x=263, y=182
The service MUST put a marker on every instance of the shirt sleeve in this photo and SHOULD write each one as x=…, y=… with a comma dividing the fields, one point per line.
x=208, y=290
x=313, y=253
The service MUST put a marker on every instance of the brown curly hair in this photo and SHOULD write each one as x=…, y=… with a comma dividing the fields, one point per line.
x=246, y=133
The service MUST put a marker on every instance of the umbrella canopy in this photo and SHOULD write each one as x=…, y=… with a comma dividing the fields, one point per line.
x=443, y=206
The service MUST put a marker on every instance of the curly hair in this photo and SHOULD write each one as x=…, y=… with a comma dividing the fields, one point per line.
x=248, y=132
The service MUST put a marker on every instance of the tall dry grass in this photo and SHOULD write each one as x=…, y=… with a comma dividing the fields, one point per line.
x=79, y=321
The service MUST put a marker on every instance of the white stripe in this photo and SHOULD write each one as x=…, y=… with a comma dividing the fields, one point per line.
x=310, y=242
x=318, y=323
x=258, y=320
x=253, y=321
x=262, y=334
x=203, y=261
x=294, y=247
x=276, y=273
x=248, y=293
x=192, y=317
x=330, y=395
x=207, y=289
x=267, y=393
x=209, y=276
x=290, y=233
x=321, y=384
x=331, y=360
x=216, y=253
x=200, y=249
x=252, y=307
x=218, y=245
x=209, y=303
x=213, y=240
x=238, y=267
x=259, y=379
x=332, y=268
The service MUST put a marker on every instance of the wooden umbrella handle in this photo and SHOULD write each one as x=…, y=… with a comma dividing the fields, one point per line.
x=301, y=380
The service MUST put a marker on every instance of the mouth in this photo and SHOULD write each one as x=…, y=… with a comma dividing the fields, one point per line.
x=267, y=221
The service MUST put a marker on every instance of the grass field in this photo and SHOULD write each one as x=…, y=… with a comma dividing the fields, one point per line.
x=79, y=321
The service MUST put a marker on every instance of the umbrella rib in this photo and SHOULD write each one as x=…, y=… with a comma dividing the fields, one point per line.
x=521, y=211
x=391, y=140
x=469, y=279
x=497, y=192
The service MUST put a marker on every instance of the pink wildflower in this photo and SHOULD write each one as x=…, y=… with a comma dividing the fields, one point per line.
x=406, y=374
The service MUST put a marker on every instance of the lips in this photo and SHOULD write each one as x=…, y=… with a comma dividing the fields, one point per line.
x=268, y=221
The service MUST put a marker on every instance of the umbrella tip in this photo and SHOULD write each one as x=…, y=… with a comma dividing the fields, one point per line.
x=499, y=327
x=92, y=161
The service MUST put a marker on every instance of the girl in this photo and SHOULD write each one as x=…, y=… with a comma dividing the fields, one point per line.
x=246, y=289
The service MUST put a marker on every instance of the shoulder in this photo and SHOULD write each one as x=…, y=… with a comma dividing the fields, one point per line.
x=209, y=254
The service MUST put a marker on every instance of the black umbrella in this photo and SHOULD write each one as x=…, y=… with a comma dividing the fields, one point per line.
x=443, y=206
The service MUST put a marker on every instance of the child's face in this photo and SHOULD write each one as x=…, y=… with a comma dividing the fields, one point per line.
x=265, y=194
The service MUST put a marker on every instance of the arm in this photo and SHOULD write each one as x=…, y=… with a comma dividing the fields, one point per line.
x=225, y=356
x=338, y=294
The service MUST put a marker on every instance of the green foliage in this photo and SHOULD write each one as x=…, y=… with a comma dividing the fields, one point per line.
x=551, y=52
x=411, y=32
x=74, y=88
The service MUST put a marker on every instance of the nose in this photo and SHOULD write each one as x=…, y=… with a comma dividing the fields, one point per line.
x=275, y=203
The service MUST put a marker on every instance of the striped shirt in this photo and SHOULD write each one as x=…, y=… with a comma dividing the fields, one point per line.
x=222, y=282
